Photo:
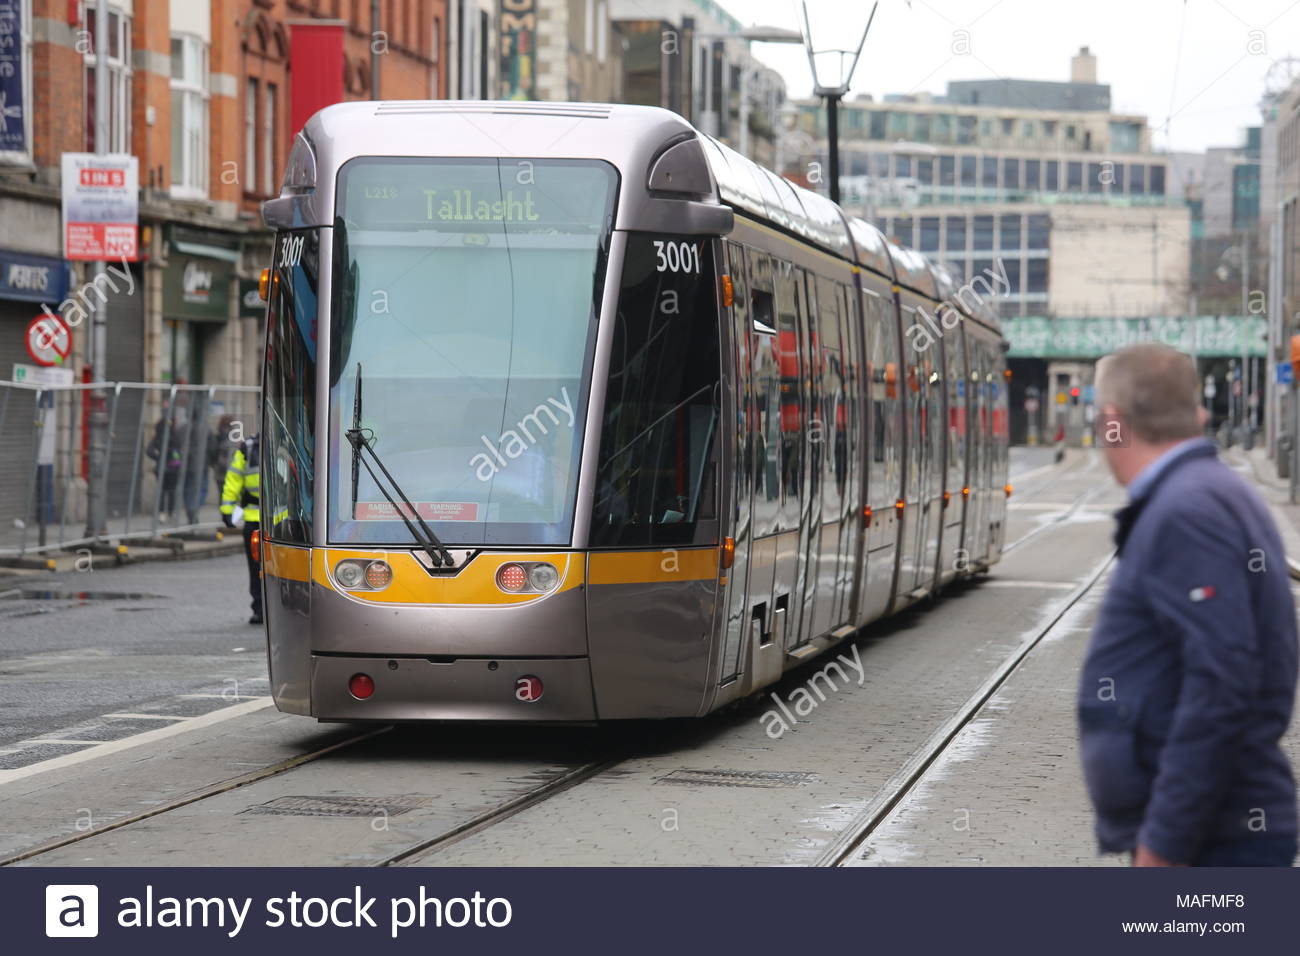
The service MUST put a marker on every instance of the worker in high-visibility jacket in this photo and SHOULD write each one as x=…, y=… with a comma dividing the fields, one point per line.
x=243, y=487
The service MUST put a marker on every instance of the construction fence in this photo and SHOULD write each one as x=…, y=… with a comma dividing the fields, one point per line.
x=168, y=447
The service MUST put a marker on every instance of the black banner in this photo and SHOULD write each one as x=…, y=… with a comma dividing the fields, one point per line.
x=495, y=910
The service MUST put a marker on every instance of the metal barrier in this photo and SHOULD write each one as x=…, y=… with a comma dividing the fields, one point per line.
x=168, y=448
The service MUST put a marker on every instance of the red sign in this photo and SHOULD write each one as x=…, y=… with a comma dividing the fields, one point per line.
x=103, y=177
x=49, y=340
x=99, y=241
x=428, y=510
x=316, y=80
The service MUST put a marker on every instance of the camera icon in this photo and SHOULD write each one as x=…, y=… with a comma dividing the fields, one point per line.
x=71, y=909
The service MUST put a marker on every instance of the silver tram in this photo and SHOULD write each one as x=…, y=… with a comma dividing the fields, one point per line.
x=571, y=413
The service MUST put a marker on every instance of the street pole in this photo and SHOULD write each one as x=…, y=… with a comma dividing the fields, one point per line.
x=374, y=57
x=97, y=477
x=744, y=111
x=833, y=143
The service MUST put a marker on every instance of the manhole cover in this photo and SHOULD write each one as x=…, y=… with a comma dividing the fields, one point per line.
x=767, y=779
x=340, y=806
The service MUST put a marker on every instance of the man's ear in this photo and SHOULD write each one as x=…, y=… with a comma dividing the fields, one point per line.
x=1202, y=415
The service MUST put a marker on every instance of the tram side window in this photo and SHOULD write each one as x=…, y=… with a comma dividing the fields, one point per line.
x=789, y=422
x=289, y=389
x=656, y=479
x=885, y=377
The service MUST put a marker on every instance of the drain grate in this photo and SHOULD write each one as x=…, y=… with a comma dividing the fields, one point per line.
x=766, y=779
x=340, y=806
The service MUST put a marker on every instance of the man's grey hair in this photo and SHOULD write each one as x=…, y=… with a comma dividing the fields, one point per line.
x=1155, y=389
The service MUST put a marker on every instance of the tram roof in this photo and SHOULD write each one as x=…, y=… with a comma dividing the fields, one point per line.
x=633, y=138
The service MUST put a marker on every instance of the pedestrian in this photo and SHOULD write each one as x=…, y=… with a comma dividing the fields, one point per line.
x=166, y=450
x=1190, y=674
x=243, y=487
x=218, y=452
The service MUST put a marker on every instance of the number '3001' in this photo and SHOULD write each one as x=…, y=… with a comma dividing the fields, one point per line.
x=677, y=256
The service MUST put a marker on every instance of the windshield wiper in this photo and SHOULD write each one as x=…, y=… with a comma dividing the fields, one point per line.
x=423, y=534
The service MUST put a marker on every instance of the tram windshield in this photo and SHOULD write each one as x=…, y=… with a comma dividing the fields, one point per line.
x=467, y=291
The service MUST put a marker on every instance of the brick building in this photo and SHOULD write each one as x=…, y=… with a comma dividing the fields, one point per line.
x=204, y=94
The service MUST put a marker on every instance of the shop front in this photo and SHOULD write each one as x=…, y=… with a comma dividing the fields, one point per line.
x=198, y=293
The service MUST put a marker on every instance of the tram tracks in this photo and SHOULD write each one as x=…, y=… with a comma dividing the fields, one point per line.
x=913, y=771
x=608, y=755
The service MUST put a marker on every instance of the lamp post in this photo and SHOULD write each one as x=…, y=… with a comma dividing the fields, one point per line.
x=832, y=71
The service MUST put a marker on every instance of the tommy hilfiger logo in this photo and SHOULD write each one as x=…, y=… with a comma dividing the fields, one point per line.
x=1201, y=594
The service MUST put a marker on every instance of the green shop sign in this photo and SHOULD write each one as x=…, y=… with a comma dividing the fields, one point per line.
x=1201, y=335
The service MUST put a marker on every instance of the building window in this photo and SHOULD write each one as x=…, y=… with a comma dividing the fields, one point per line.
x=969, y=170
x=929, y=238
x=1010, y=233
x=1074, y=177
x=966, y=130
x=1012, y=267
x=1037, y=276
x=989, y=172
x=268, y=140
x=1157, y=180
x=1137, y=180
x=925, y=171
x=1094, y=178
x=189, y=116
x=1052, y=176
x=983, y=234
x=117, y=49
x=1033, y=181
x=1011, y=174
x=947, y=170
x=1008, y=127
x=903, y=166
x=878, y=124
x=250, y=136
x=899, y=125
x=1117, y=178
x=1038, y=231
x=921, y=125
x=903, y=231
x=955, y=240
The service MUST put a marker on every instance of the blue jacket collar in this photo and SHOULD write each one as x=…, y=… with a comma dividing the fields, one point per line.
x=1144, y=485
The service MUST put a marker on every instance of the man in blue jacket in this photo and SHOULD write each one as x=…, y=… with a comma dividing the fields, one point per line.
x=1190, y=675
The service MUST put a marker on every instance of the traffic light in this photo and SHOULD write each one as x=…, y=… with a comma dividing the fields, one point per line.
x=1074, y=395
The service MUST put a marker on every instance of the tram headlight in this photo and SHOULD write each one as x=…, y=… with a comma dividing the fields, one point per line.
x=512, y=578
x=378, y=575
x=543, y=577
x=527, y=577
x=350, y=574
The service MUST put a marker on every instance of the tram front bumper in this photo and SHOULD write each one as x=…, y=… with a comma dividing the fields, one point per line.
x=420, y=688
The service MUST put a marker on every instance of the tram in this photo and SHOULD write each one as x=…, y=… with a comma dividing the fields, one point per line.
x=571, y=413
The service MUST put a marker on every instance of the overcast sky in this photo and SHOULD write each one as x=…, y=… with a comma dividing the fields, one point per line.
x=1196, y=93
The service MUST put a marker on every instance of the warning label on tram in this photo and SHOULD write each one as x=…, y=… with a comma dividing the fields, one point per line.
x=428, y=510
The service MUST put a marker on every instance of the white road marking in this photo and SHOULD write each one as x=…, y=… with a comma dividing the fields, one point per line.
x=218, y=696
x=146, y=716
x=1013, y=583
x=103, y=749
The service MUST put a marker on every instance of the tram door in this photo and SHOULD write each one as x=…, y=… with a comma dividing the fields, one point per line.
x=750, y=305
x=952, y=558
x=884, y=438
x=850, y=458
x=826, y=436
x=913, y=392
x=810, y=512
x=977, y=516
